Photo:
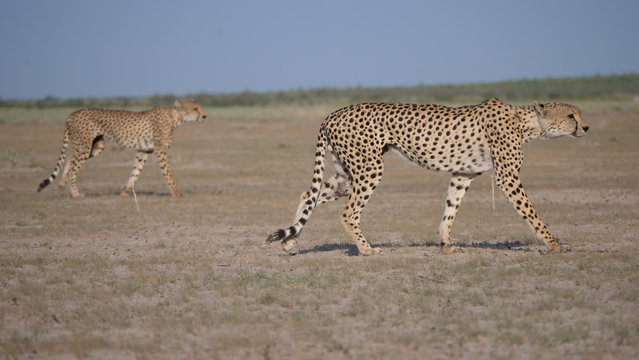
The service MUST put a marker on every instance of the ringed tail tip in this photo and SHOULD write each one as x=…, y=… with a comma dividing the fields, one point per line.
x=43, y=184
x=276, y=236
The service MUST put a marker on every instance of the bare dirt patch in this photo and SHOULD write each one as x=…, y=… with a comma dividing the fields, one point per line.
x=187, y=278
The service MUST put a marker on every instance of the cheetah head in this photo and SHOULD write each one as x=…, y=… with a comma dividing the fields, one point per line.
x=558, y=119
x=190, y=110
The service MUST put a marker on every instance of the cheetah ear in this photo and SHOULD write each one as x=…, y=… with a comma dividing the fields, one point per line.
x=177, y=104
x=539, y=109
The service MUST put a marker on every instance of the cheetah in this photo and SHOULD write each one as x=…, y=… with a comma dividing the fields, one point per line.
x=465, y=141
x=145, y=131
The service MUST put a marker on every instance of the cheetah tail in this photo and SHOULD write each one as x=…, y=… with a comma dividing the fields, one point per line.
x=310, y=202
x=63, y=156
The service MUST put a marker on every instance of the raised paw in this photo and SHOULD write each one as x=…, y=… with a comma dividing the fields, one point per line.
x=287, y=245
x=447, y=249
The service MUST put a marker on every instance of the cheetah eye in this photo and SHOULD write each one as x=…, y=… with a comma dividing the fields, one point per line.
x=572, y=116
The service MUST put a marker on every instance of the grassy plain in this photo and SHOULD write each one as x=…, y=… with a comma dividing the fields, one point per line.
x=187, y=278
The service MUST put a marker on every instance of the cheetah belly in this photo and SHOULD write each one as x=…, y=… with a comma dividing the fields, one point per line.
x=145, y=144
x=133, y=134
x=474, y=165
x=477, y=160
x=480, y=166
x=142, y=143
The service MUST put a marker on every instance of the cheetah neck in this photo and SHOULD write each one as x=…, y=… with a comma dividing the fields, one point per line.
x=175, y=117
x=530, y=123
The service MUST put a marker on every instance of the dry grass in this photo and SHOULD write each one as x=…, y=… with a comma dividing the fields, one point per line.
x=186, y=278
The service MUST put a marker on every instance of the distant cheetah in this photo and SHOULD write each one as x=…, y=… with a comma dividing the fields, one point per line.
x=146, y=131
x=466, y=141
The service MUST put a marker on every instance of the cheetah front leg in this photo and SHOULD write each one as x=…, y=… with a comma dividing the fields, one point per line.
x=140, y=159
x=459, y=184
x=166, y=170
x=513, y=189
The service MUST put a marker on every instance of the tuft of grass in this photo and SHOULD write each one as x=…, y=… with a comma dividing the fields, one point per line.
x=569, y=334
x=10, y=156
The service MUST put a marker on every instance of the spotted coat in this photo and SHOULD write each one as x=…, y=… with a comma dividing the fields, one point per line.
x=145, y=131
x=465, y=141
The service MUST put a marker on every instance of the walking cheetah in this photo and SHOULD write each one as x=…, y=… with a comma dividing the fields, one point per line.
x=466, y=141
x=146, y=131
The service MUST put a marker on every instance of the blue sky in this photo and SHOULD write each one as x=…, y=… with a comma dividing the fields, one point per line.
x=87, y=48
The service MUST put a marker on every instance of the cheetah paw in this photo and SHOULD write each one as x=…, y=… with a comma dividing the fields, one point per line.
x=559, y=248
x=288, y=245
x=565, y=248
x=447, y=249
x=370, y=251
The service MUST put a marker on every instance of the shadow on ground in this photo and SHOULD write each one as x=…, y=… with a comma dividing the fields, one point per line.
x=351, y=249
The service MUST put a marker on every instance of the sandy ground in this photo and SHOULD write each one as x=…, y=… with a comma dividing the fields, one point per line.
x=187, y=277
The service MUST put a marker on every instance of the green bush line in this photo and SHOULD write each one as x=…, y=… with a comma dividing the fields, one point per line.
x=587, y=87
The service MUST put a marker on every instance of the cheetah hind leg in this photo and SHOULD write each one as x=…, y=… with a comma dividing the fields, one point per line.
x=65, y=172
x=76, y=163
x=334, y=188
x=96, y=149
x=360, y=194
